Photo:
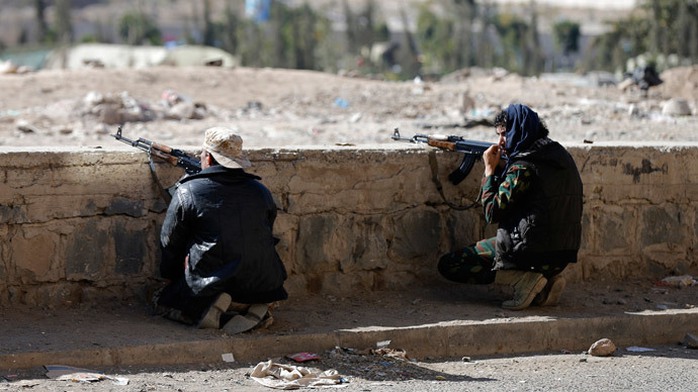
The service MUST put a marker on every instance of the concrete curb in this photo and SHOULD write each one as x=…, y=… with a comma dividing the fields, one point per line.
x=508, y=336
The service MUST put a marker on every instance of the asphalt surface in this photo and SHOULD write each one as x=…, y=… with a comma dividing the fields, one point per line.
x=426, y=325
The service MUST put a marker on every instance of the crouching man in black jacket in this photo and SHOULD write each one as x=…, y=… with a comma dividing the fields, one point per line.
x=218, y=249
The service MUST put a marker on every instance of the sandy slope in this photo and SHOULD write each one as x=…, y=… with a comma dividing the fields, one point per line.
x=273, y=107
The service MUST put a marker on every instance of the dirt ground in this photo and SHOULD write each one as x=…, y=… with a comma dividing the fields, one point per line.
x=278, y=108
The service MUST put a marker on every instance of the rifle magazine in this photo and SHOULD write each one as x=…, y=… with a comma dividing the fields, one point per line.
x=459, y=174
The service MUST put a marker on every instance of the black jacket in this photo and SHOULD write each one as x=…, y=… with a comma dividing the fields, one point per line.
x=546, y=226
x=222, y=220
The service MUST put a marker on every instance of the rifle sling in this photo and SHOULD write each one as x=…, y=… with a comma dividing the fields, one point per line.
x=434, y=165
x=163, y=192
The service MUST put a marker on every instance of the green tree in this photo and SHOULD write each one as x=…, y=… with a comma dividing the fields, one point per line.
x=512, y=32
x=657, y=28
x=251, y=44
x=302, y=30
x=625, y=39
x=485, y=46
x=687, y=31
x=533, y=58
x=364, y=28
x=566, y=35
x=64, y=23
x=447, y=43
x=672, y=27
x=209, y=28
x=42, y=29
x=435, y=37
x=465, y=12
x=290, y=39
x=228, y=29
x=137, y=28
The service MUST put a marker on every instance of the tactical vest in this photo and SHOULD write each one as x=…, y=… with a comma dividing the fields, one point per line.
x=545, y=226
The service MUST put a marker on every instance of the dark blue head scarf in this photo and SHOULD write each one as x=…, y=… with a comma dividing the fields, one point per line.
x=524, y=129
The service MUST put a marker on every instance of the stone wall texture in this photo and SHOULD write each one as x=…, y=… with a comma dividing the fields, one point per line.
x=82, y=225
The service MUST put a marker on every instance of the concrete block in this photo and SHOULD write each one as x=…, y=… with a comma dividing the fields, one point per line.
x=462, y=228
x=286, y=230
x=33, y=255
x=417, y=235
x=368, y=245
x=131, y=249
x=81, y=260
x=588, y=232
x=615, y=229
x=611, y=266
x=122, y=205
x=663, y=226
x=322, y=243
x=12, y=213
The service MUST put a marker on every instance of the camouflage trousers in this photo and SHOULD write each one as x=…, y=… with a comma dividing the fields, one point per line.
x=473, y=264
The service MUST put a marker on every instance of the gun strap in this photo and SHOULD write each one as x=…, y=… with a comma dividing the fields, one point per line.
x=434, y=165
x=163, y=192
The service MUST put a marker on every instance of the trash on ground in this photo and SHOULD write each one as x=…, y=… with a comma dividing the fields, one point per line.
x=280, y=376
x=228, y=357
x=303, y=357
x=383, y=343
x=678, y=281
x=69, y=373
x=390, y=352
x=341, y=103
x=638, y=349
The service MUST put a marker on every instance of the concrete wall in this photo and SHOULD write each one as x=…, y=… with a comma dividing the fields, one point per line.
x=82, y=225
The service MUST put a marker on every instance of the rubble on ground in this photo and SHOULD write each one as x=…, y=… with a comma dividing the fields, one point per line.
x=278, y=107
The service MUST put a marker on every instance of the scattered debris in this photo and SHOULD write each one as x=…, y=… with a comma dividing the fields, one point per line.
x=69, y=373
x=678, y=281
x=690, y=340
x=341, y=103
x=115, y=109
x=637, y=349
x=676, y=107
x=8, y=67
x=279, y=376
x=25, y=127
x=296, y=102
x=383, y=343
x=228, y=357
x=303, y=357
x=93, y=63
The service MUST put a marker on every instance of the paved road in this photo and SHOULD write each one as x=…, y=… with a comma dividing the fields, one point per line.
x=669, y=368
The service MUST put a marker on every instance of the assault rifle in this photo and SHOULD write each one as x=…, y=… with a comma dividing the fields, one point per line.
x=174, y=156
x=472, y=150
